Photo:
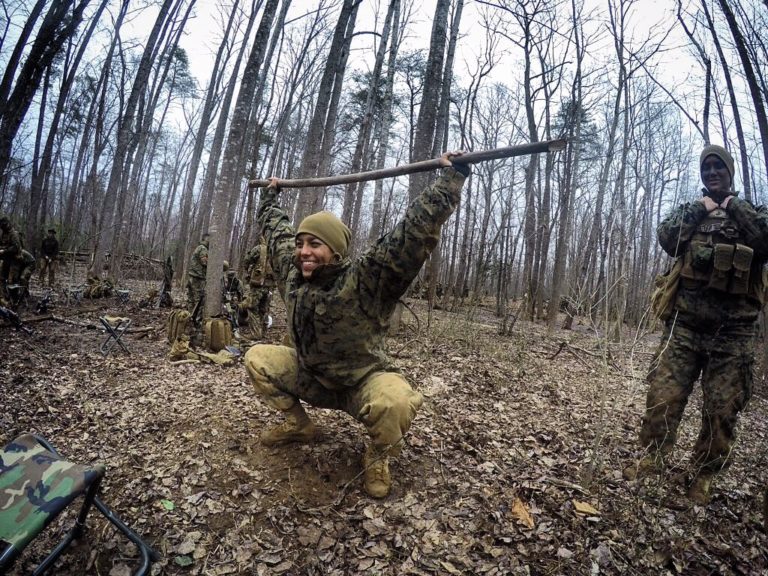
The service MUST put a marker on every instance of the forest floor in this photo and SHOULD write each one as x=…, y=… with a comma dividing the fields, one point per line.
x=513, y=466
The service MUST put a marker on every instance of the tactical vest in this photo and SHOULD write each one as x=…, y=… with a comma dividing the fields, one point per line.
x=716, y=258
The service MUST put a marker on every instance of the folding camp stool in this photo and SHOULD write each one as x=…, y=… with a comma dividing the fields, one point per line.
x=75, y=293
x=36, y=485
x=115, y=327
x=123, y=296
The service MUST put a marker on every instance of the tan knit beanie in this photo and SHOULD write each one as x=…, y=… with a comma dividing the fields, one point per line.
x=720, y=152
x=331, y=230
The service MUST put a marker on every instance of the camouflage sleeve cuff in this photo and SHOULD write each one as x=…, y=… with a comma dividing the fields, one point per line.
x=463, y=169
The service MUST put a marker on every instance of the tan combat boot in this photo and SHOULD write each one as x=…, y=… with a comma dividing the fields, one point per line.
x=648, y=464
x=700, y=488
x=377, y=480
x=296, y=428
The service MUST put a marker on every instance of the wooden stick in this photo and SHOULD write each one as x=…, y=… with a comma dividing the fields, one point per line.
x=423, y=166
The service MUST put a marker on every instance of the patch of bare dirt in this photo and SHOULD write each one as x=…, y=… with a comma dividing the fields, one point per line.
x=512, y=467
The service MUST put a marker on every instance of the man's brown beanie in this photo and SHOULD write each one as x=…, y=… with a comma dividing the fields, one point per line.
x=331, y=230
x=720, y=152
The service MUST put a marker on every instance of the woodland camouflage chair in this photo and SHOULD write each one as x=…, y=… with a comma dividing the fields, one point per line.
x=36, y=485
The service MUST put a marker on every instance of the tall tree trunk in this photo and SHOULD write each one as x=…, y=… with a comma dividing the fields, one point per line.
x=364, y=131
x=125, y=138
x=430, y=97
x=229, y=181
x=385, y=124
x=734, y=106
x=36, y=193
x=197, y=151
x=320, y=127
x=749, y=72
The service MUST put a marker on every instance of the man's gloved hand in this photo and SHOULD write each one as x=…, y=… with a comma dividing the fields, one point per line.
x=446, y=159
x=269, y=194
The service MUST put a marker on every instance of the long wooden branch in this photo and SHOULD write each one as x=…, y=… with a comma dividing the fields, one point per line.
x=423, y=166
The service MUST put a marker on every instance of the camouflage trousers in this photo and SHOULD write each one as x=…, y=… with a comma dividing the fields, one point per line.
x=724, y=361
x=254, y=310
x=195, y=292
x=383, y=402
x=48, y=266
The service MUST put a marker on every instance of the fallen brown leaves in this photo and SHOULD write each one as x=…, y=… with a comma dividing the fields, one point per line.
x=513, y=466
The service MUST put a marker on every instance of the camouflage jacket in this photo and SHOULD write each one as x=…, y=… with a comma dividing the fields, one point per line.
x=10, y=244
x=231, y=284
x=703, y=308
x=339, y=317
x=50, y=248
x=199, y=262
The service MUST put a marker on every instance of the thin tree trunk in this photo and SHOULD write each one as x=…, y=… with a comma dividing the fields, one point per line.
x=734, y=106
x=228, y=182
x=749, y=72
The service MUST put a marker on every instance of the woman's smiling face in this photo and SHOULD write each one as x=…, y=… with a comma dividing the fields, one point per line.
x=311, y=252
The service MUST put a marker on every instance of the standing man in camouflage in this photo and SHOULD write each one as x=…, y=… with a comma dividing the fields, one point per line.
x=198, y=266
x=254, y=310
x=49, y=261
x=338, y=314
x=10, y=250
x=723, y=243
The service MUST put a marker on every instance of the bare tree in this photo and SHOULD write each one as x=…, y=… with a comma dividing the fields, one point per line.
x=430, y=99
x=321, y=127
x=228, y=184
x=59, y=24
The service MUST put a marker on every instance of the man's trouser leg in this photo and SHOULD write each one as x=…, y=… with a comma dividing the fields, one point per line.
x=674, y=370
x=727, y=387
x=44, y=264
x=193, y=292
x=52, y=265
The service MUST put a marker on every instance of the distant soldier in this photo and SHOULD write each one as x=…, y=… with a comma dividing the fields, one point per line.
x=50, y=257
x=10, y=249
x=198, y=267
x=26, y=267
x=231, y=286
x=254, y=311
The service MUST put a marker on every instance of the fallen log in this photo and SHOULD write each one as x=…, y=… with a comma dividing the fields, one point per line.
x=422, y=166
